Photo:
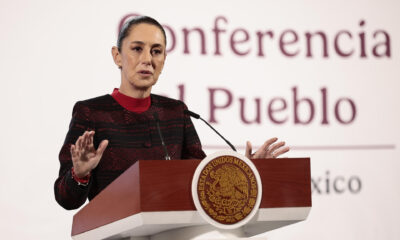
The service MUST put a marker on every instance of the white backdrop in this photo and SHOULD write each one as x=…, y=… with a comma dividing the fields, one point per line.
x=56, y=53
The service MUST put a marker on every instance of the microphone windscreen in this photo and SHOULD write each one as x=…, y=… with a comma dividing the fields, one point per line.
x=195, y=115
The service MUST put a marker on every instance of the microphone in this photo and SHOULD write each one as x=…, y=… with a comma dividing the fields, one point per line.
x=155, y=115
x=197, y=116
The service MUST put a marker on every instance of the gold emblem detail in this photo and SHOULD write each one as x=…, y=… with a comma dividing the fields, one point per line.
x=227, y=189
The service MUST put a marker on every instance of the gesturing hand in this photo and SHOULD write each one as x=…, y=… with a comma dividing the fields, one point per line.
x=267, y=150
x=84, y=157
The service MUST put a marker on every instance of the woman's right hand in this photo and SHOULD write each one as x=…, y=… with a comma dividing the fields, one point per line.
x=84, y=157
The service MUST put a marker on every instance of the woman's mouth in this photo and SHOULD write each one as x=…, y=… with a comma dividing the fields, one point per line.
x=145, y=73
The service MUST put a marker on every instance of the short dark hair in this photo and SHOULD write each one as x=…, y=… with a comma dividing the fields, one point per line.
x=125, y=29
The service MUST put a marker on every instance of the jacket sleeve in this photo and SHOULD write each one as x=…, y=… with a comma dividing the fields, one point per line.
x=67, y=192
x=191, y=145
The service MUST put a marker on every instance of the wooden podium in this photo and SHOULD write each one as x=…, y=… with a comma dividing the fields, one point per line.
x=154, y=196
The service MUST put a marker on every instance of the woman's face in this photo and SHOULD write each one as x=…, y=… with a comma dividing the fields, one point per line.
x=141, y=58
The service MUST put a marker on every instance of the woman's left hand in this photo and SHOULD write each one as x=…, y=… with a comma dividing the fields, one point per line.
x=270, y=149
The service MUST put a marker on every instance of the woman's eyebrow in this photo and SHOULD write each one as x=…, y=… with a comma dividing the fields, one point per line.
x=143, y=43
x=157, y=45
x=137, y=42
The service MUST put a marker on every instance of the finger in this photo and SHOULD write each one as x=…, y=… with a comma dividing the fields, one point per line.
x=269, y=142
x=263, y=150
x=85, y=140
x=101, y=148
x=248, y=149
x=78, y=143
x=276, y=146
x=281, y=151
x=91, y=138
x=73, y=151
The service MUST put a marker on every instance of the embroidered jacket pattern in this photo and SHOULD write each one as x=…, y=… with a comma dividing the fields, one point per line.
x=132, y=136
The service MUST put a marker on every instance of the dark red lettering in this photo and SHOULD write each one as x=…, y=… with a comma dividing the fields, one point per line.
x=272, y=110
x=385, y=44
x=214, y=106
x=260, y=36
x=171, y=38
x=338, y=50
x=362, y=41
x=257, y=118
x=181, y=89
x=296, y=103
x=216, y=31
x=235, y=41
x=324, y=43
x=186, y=40
x=338, y=114
x=283, y=42
x=324, y=107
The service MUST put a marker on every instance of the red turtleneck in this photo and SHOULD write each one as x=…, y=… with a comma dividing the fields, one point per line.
x=137, y=105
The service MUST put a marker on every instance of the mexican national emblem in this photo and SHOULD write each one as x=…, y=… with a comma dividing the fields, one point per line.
x=227, y=189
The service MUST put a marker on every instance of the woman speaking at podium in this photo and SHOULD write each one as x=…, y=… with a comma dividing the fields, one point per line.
x=107, y=134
